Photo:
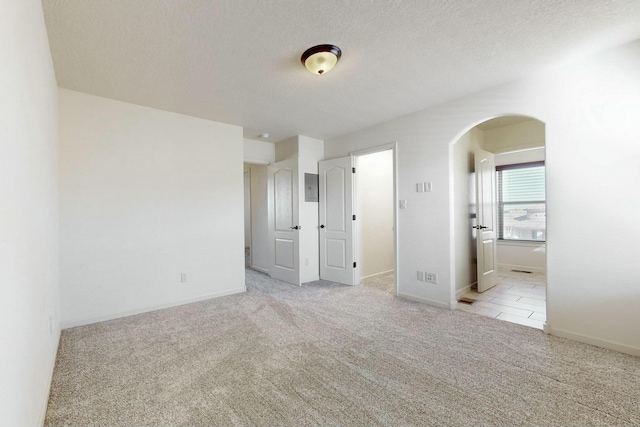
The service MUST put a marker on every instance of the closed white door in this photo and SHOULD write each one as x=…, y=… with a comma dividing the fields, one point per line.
x=336, y=221
x=486, y=233
x=283, y=218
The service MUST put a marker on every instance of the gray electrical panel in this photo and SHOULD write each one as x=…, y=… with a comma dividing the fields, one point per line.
x=310, y=187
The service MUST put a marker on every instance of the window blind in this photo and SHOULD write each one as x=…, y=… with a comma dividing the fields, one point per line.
x=521, y=201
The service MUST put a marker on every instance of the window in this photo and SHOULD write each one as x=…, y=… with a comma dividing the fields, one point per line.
x=521, y=202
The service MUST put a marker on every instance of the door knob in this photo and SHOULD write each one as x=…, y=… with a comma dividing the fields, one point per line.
x=479, y=227
x=322, y=226
x=295, y=227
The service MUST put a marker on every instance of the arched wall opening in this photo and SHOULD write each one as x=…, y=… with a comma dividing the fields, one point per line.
x=592, y=128
x=516, y=141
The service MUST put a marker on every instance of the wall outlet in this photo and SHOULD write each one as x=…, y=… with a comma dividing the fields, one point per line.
x=431, y=277
x=421, y=276
x=183, y=277
x=427, y=187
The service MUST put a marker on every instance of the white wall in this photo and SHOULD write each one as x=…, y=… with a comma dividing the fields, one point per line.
x=592, y=281
x=519, y=136
x=287, y=149
x=258, y=152
x=521, y=156
x=310, y=152
x=29, y=307
x=375, y=213
x=527, y=256
x=464, y=209
x=145, y=195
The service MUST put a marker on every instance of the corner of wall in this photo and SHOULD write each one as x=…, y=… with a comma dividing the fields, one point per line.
x=29, y=226
x=287, y=149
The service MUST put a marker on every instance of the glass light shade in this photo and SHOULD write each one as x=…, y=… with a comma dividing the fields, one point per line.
x=322, y=58
x=321, y=62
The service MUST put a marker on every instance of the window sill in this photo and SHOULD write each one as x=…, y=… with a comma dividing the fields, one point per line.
x=520, y=243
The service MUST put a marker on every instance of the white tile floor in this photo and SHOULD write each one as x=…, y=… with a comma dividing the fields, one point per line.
x=517, y=298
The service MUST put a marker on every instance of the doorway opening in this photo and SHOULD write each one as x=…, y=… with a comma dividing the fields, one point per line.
x=374, y=226
x=500, y=220
x=358, y=199
x=257, y=255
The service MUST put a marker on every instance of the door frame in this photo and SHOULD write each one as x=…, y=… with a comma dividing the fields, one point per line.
x=247, y=174
x=250, y=163
x=393, y=146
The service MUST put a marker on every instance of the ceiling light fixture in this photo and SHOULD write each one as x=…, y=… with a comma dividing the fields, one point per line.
x=322, y=58
x=264, y=135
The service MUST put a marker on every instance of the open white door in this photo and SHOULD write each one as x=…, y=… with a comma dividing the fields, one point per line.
x=336, y=221
x=283, y=216
x=486, y=219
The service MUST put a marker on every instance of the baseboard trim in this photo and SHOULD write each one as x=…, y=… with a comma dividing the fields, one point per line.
x=260, y=269
x=383, y=273
x=45, y=404
x=82, y=322
x=598, y=342
x=522, y=267
x=463, y=291
x=425, y=300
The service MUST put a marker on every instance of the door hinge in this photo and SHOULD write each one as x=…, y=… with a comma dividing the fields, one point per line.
x=353, y=170
x=354, y=217
x=354, y=265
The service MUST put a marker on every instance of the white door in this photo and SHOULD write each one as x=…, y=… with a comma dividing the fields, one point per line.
x=486, y=233
x=283, y=218
x=336, y=221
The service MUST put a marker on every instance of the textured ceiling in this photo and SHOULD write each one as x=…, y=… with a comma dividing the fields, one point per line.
x=238, y=61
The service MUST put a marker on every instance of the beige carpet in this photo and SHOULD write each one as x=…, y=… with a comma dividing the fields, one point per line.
x=384, y=283
x=330, y=355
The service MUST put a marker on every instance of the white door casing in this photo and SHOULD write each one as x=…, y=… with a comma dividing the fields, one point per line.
x=336, y=221
x=283, y=215
x=486, y=233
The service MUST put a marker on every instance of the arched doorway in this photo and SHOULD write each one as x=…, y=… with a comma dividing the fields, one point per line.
x=514, y=252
